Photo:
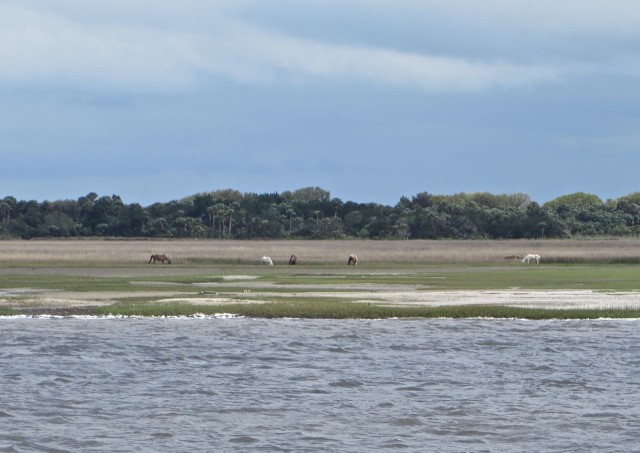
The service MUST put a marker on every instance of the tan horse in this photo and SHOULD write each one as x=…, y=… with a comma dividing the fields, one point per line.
x=353, y=259
x=293, y=260
x=161, y=258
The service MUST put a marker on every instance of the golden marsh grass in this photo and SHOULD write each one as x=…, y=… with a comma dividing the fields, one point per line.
x=325, y=252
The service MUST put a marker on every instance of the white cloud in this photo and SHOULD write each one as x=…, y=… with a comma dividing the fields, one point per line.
x=260, y=55
x=173, y=50
x=542, y=16
x=51, y=50
x=43, y=48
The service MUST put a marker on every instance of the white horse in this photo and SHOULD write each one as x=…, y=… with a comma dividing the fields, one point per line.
x=531, y=257
x=266, y=260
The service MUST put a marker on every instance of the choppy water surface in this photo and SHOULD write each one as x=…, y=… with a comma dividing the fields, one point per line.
x=245, y=384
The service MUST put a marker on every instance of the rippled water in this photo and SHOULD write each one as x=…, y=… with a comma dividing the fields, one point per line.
x=318, y=385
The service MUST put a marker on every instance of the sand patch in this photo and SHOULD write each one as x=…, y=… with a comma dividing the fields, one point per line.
x=517, y=298
x=388, y=295
x=69, y=299
x=209, y=301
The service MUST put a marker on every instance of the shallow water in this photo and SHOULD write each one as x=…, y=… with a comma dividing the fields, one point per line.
x=208, y=384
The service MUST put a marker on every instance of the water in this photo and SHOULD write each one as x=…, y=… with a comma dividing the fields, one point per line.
x=318, y=385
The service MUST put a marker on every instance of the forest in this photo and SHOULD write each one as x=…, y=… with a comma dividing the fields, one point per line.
x=311, y=213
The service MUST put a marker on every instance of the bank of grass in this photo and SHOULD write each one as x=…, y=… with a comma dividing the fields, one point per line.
x=335, y=309
x=81, y=284
x=329, y=279
x=8, y=312
x=599, y=277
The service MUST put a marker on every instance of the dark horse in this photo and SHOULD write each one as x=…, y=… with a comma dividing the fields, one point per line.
x=161, y=258
x=293, y=260
x=353, y=259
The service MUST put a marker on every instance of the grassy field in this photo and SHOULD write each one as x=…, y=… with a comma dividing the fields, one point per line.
x=393, y=279
x=206, y=252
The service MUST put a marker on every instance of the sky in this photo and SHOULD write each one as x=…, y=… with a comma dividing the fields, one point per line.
x=370, y=100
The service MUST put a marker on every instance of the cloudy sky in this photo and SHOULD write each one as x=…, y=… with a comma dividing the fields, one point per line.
x=371, y=100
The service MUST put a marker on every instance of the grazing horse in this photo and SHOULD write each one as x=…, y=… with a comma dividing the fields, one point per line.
x=353, y=259
x=512, y=257
x=293, y=260
x=161, y=258
x=531, y=257
x=266, y=260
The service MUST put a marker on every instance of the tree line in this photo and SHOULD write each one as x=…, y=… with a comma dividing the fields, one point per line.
x=311, y=213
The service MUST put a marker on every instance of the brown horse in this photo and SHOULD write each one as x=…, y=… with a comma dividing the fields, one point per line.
x=512, y=257
x=161, y=258
x=353, y=259
x=293, y=260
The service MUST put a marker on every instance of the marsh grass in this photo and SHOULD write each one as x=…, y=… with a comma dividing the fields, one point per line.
x=7, y=312
x=102, y=253
x=428, y=277
x=465, y=277
x=337, y=309
x=78, y=283
x=452, y=277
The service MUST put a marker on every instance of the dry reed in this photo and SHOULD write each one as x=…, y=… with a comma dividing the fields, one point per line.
x=119, y=252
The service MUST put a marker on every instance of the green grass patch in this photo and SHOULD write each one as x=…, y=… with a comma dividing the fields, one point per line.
x=277, y=285
x=82, y=283
x=623, y=277
x=7, y=312
x=613, y=277
x=594, y=277
x=327, y=309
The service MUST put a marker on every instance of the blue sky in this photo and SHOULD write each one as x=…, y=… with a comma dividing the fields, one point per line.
x=370, y=100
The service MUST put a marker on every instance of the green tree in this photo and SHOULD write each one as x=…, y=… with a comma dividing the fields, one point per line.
x=5, y=211
x=311, y=194
x=574, y=199
x=12, y=203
